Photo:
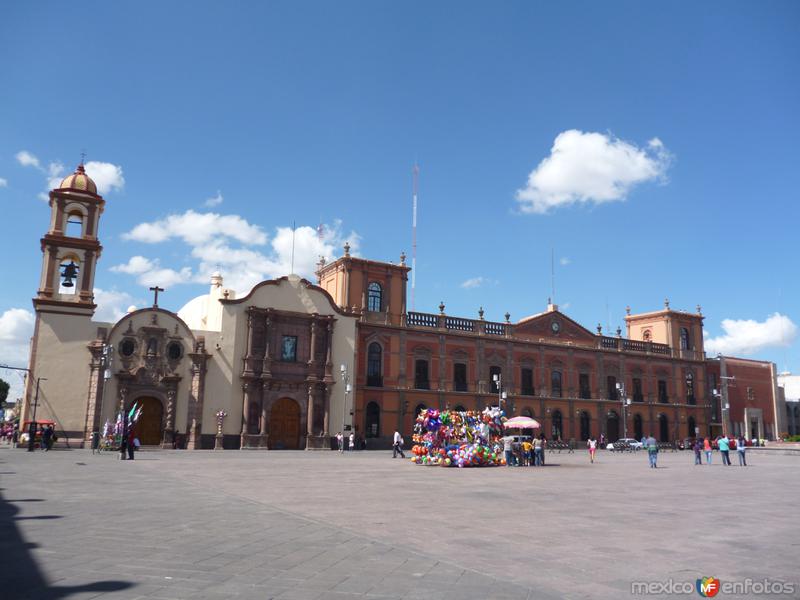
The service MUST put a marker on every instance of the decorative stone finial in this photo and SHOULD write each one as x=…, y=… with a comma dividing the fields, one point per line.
x=699, y=310
x=441, y=308
x=599, y=329
x=347, y=248
x=666, y=303
x=508, y=317
x=619, y=331
x=627, y=310
x=480, y=313
x=402, y=259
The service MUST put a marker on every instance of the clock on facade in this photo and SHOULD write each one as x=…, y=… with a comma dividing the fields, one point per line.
x=555, y=326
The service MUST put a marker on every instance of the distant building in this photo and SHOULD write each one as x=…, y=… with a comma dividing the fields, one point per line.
x=790, y=387
x=276, y=361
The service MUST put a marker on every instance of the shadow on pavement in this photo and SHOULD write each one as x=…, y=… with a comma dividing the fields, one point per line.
x=22, y=578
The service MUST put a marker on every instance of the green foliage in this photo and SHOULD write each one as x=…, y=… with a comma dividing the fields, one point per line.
x=3, y=390
x=793, y=438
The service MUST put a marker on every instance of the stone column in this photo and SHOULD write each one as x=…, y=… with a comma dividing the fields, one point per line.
x=245, y=414
x=326, y=413
x=122, y=392
x=266, y=368
x=95, y=397
x=169, y=421
x=310, y=437
x=197, y=394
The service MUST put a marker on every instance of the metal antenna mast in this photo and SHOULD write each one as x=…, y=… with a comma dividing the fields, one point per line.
x=414, y=236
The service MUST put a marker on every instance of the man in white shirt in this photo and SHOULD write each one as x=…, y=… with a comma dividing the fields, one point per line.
x=397, y=446
x=352, y=442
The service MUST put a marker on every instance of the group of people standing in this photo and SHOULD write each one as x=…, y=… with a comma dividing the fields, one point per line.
x=523, y=451
x=703, y=445
x=351, y=441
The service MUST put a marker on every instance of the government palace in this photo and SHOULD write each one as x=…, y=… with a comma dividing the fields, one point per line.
x=292, y=363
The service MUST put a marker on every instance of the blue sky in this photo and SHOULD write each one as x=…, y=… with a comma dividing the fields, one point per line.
x=316, y=112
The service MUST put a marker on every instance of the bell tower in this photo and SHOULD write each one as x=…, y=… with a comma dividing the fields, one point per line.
x=70, y=247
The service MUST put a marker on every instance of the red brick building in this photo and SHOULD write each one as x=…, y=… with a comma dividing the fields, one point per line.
x=549, y=366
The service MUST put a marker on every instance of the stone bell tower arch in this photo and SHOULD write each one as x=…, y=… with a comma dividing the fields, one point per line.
x=71, y=247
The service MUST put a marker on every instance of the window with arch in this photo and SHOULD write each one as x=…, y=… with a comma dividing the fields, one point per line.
x=74, y=224
x=557, y=425
x=374, y=365
x=374, y=297
x=686, y=341
x=611, y=388
x=638, y=427
x=527, y=412
x=373, y=424
x=494, y=374
x=421, y=377
x=584, y=386
x=690, y=399
x=691, y=424
x=460, y=408
x=663, y=397
x=638, y=394
x=612, y=426
x=526, y=381
x=556, y=384
x=586, y=425
x=69, y=269
x=460, y=377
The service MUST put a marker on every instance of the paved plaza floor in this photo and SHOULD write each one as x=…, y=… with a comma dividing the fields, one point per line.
x=308, y=525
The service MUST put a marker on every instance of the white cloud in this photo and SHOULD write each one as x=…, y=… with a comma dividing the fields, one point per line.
x=214, y=200
x=197, y=228
x=3, y=182
x=150, y=273
x=111, y=304
x=107, y=176
x=587, y=167
x=230, y=244
x=564, y=261
x=475, y=282
x=26, y=159
x=16, y=329
x=747, y=337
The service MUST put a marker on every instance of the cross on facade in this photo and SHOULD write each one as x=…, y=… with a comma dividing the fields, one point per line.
x=155, y=290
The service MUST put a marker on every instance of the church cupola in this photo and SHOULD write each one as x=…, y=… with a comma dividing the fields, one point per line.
x=71, y=247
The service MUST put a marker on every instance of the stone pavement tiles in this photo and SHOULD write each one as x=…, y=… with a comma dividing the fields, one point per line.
x=321, y=525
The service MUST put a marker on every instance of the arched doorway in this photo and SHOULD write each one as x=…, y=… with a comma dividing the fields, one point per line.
x=586, y=426
x=373, y=424
x=691, y=425
x=284, y=425
x=557, y=428
x=638, y=427
x=612, y=426
x=663, y=428
x=148, y=427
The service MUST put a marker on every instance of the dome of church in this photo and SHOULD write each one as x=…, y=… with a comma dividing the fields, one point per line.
x=79, y=181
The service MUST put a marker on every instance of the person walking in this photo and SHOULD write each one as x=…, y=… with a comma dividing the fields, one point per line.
x=131, y=446
x=340, y=441
x=652, y=451
x=724, y=447
x=47, y=438
x=397, y=446
x=95, y=442
x=592, y=445
x=698, y=448
x=538, y=450
x=707, y=449
x=351, y=442
x=741, y=448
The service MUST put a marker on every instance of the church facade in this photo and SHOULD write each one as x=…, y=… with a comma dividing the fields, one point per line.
x=292, y=363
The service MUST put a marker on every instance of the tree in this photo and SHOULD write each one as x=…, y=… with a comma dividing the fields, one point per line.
x=3, y=390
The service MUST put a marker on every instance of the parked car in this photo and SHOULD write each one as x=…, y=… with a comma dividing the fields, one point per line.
x=625, y=444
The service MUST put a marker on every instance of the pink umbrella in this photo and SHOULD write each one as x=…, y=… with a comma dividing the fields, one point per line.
x=521, y=423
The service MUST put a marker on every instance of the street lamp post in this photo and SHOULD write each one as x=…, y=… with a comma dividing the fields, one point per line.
x=625, y=402
x=347, y=390
x=501, y=395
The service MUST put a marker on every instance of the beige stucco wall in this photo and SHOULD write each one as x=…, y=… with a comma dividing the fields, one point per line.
x=223, y=385
x=62, y=358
